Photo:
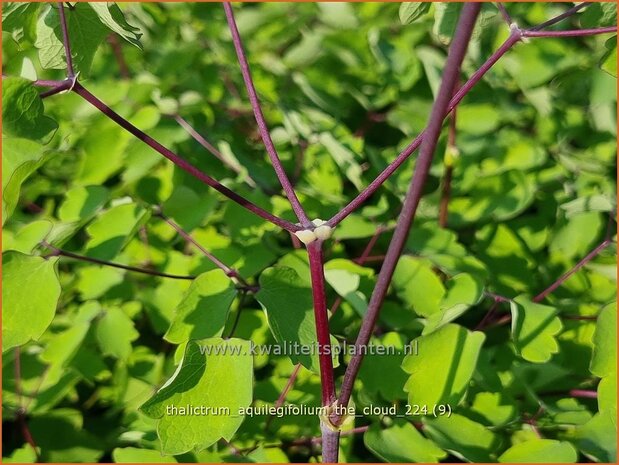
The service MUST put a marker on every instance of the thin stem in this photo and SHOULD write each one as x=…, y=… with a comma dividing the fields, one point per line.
x=574, y=33
x=564, y=277
x=330, y=438
x=583, y=393
x=410, y=149
x=422, y=167
x=504, y=13
x=66, y=253
x=181, y=163
x=211, y=148
x=231, y=272
x=65, y=40
x=282, y=396
x=262, y=126
x=572, y=11
x=67, y=84
x=451, y=151
x=117, y=50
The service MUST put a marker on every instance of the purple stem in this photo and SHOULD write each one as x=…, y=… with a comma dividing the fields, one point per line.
x=262, y=126
x=583, y=393
x=330, y=438
x=231, y=272
x=572, y=11
x=590, y=256
x=65, y=253
x=574, y=33
x=450, y=78
x=65, y=40
x=210, y=147
x=504, y=13
x=514, y=37
x=61, y=87
x=178, y=161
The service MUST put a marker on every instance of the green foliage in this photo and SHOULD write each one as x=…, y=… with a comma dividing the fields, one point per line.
x=474, y=370
x=30, y=293
x=213, y=381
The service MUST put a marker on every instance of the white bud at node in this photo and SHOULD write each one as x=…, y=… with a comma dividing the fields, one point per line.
x=323, y=232
x=306, y=236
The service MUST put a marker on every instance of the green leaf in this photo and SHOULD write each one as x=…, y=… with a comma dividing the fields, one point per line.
x=220, y=381
x=534, y=327
x=463, y=291
x=599, y=15
x=113, y=229
x=288, y=304
x=598, y=203
x=19, y=19
x=411, y=11
x=20, y=158
x=418, y=286
x=540, y=451
x=27, y=314
x=608, y=62
x=376, y=365
x=440, y=373
x=463, y=438
x=86, y=33
x=136, y=455
x=28, y=237
x=61, y=437
x=496, y=408
x=115, y=332
x=597, y=439
x=445, y=20
x=22, y=111
x=204, y=308
x=113, y=17
x=401, y=443
x=82, y=202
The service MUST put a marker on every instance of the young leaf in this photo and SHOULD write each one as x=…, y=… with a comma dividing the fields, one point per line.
x=540, y=451
x=30, y=291
x=203, y=310
x=23, y=112
x=463, y=291
x=112, y=16
x=401, y=443
x=534, y=327
x=115, y=333
x=113, y=229
x=86, y=33
x=20, y=158
x=417, y=285
x=411, y=11
x=219, y=383
x=440, y=373
x=608, y=62
x=463, y=438
x=287, y=302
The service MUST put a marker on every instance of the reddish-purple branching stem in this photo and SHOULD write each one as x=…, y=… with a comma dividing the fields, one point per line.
x=262, y=126
x=330, y=438
x=200, y=139
x=65, y=40
x=178, y=161
x=564, y=277
x=504, y=13
x=65, y=253
x=450, y=78
x=514, y=37
x=231, y=272
x=574, y=33
x=566, y=14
